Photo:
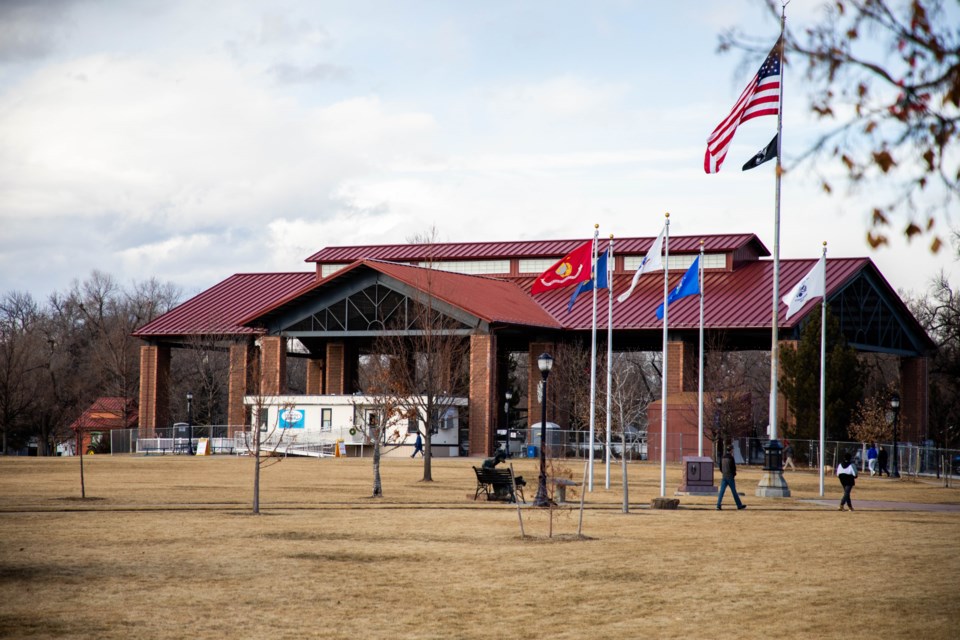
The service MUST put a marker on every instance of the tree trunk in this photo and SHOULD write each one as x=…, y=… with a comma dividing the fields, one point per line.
x=377, y=485
x=623, y=465
x=427, y=441
x=83, y=488
x=256, y=468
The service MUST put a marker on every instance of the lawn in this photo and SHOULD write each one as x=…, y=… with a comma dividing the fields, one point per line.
x=166, y=547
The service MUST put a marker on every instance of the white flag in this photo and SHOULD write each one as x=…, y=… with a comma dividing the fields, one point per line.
x=653, y=260
x=812, y=286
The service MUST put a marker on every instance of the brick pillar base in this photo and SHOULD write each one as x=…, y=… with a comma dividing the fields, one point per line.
x=913, y=398
x=315, y=376
x=273, y=365
x=483, y=391
x=154, y=389
x=335, y=368
x=243, y=372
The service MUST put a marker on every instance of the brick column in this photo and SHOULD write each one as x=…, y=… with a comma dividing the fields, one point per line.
x=154, y=389
x=243, y=373
x=683, y=364
x=273, y=365
x=483, y=391
x=534, y=411
x=914, y=409
x=315, y=375
x=335, y=368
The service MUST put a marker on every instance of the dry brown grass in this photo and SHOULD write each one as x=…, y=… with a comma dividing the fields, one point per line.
x=166, y=549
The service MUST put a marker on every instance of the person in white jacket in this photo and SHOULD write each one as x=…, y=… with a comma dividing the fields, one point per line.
x=847, y=473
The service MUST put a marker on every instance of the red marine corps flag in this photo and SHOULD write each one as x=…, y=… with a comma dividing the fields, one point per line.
x=571, y=269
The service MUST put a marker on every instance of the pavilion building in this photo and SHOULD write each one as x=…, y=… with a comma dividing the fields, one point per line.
x=335, y=312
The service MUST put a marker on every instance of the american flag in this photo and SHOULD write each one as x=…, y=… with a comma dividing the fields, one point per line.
x=760, y=98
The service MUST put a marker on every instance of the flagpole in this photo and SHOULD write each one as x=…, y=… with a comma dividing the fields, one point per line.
x=823, y=363
x=772, y=483
x=700, y=385
x=663, y=380
x=593, y=359
x=610, y=263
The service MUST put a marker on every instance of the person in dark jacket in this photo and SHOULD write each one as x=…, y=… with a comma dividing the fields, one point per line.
x=728, y=471
x=882, y=462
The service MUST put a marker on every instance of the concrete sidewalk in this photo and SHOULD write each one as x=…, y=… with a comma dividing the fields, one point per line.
x=888, y=505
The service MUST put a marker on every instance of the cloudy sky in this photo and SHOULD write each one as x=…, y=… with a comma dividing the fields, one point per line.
x=192, y=140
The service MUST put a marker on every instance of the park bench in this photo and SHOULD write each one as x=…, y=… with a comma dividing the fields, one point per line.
x=496, y=484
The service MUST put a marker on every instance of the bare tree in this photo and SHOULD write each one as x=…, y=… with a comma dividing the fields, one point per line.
x=20, y=364
x=888, y=77
x=377, y=380
x=429, y=354
x=631, y=391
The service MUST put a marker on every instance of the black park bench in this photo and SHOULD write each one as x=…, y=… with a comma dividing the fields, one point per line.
x=496, y=484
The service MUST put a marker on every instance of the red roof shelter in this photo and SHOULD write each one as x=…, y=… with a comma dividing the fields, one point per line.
x=484, y=287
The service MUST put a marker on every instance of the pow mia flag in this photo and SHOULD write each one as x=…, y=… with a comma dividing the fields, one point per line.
x=768, y=153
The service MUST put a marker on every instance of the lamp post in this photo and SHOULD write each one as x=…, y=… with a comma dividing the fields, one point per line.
x=545, y=362
x=895, y=405
x=190, y=423
x=506, y=408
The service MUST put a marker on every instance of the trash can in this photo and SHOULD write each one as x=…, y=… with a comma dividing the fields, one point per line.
x=531, y=451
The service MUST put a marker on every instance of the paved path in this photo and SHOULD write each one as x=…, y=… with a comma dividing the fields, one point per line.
x=889, y=505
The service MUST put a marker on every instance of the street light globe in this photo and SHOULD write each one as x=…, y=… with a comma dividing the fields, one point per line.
x=508, y=395
x=895, y=401
x=545, y=362
x=189, y=397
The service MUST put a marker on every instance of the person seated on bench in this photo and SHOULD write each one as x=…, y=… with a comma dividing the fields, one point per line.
x=498, y=457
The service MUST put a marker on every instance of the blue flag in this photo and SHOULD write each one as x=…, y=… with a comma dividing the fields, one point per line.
x=600, y=275
x=689, y=286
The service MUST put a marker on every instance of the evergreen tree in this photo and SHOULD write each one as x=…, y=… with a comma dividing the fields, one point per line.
x=800, y=381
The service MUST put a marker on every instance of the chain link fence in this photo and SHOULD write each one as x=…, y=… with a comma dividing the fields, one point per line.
x=911, y=459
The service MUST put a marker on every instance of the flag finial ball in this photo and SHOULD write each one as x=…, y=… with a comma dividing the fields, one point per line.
x=666, y=215
x=824, y=243
x=611, y=236
x=596, y=225
x=702, y=241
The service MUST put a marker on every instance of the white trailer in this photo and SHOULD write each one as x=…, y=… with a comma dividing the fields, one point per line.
x=316, y=423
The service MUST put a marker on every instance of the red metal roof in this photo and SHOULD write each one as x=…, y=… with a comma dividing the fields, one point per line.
x=107, y=413
x=493, y=300
x=528, y=248
x=221, y=308
x=739, y=299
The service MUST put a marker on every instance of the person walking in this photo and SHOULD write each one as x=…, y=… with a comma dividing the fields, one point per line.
x=882, y=462
x=788, y=456
x=728, y=471
x=847, y=473
x=872, y=458
x=417, y=446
